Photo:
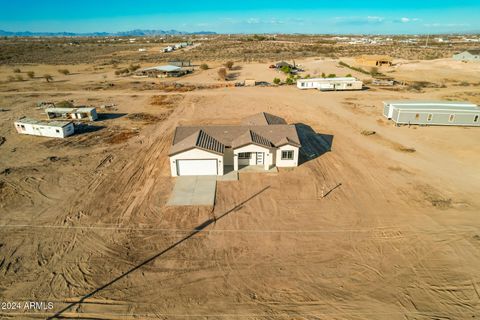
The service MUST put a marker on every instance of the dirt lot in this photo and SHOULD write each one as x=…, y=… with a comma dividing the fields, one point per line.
x=84, y=218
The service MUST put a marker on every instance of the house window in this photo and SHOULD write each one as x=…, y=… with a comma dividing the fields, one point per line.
x=287, y=155
x=57, y=131
x=349, y=84
x=417, y=116
x=244, y=155
x=451, y=118
x=23, y=127
x=475, y=119
x=430, y=116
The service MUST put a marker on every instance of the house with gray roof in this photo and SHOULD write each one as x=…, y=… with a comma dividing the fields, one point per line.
x=263, y=140
x=468, y=55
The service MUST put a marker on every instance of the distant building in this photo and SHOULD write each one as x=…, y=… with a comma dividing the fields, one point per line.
x=446, y=113
x=330, y=84
x=54, y=129
x=468, y=55
x=83, y=113
x=374, y=60
x=163, y=71
x=168, y=49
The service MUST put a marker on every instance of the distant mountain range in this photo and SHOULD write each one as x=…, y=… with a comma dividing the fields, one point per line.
x=130, y=33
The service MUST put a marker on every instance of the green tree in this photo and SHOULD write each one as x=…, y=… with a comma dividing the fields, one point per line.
x=204, y=66
x=277, y=81
x=289, y=81
x=286, y=69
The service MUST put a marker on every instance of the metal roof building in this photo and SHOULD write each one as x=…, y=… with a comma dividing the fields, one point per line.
x=446, y=113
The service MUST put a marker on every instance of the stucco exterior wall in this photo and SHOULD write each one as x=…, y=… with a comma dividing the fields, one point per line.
x=193, y=154
x=267, y=157
x=287, y=163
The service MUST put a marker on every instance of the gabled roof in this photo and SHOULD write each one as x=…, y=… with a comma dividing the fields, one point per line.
x=251, y=137
x=264, y=130
x=285, y=141
x=199, y=139
x=263, y=119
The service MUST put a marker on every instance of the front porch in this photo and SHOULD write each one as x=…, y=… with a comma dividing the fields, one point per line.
x=249, y=168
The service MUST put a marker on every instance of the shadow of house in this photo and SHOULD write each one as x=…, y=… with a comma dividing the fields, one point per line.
x=110, y=116
x=198, y=229
x=82, y=128
x=313, y=144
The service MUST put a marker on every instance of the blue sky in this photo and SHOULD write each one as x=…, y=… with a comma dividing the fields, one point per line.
x=317, y=16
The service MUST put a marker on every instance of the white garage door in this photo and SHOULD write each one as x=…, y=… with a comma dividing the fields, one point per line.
x=204, y=167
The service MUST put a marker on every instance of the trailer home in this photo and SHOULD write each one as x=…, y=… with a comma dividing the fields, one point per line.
x=53, y=129
x=330, y=84
x=84, y=113
x=440, y=113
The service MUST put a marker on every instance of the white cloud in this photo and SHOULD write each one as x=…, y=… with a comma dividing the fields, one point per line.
x=407, y=20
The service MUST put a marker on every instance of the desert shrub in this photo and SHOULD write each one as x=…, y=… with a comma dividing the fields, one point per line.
x=47, y=77
x=332, y=75
x=464, y=84
x=204, y=66
x=65, y=72
x=374, y=71
x=222, y=73
x=10, y=78
x=349, y=75
x=229, y=65
x=64, y=104
x=19, y=77
x=17, y=70
x=31, y=74
x=122, y=71
x=277, y=80
x=133, y=67
x=289, y=80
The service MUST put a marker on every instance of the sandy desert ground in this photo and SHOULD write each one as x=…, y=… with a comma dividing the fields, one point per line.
x=84, y=221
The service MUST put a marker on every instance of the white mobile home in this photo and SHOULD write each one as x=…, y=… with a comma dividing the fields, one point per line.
x=83, y=113
x=446, y=113
x=54, y=129
x=330, y=84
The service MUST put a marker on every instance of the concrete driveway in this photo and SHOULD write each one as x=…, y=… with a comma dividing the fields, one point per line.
x=193, y=191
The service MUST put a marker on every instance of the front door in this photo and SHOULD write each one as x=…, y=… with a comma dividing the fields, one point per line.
x=259, y=158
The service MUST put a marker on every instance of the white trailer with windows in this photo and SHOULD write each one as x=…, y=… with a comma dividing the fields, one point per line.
x=440, y=113
x=54, y=129
x=330, y=84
